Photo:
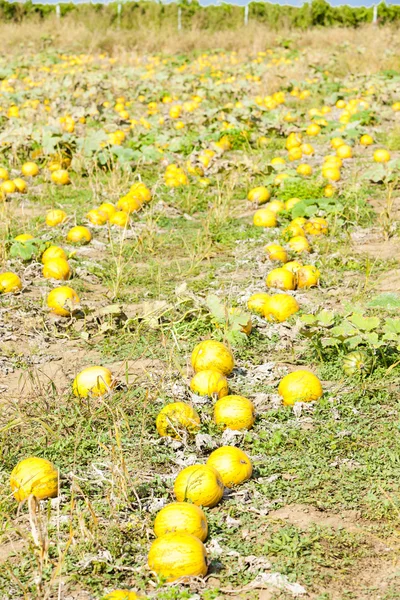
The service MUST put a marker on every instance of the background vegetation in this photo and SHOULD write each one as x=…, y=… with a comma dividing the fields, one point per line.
x=317, y=13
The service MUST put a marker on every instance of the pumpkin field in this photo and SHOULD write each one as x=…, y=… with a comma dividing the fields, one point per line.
x=199, y=320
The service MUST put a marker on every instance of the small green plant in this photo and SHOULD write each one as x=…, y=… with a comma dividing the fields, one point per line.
x=230, y=323
x=354, y=330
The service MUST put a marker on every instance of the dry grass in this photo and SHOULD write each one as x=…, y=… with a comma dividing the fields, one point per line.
x=368, y=49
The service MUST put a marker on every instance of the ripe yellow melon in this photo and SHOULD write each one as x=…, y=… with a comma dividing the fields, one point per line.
x=35, y=476
x=62, y=301
x=232, y=464
x=211, y=354
x=300, y=386
x=10, y=283
x=234, y=412
x=199, y=484
x=176, y=417
x=94, y=381
x=181, y=517
x=209, y=383
x=177, y=555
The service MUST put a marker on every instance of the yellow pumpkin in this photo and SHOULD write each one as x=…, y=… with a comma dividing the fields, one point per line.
x=35, y=476
x=293, y=140
x=57, y=268
x=140, y=190
x=177, y=555
x=60, y=177
x=256, y=302
x=281, y=279
x=332, y=161
x=260, y=195
x=97, y=217
x=280, y=307
x=129, y=204
x=181, y=517
x=21, y=185
x=23, y=237
x=344, y=151
x=52, y=253
x=331, y=173
x=307, y=149
x=313, y=129
x=366, y=140
x=107, y=208
x=300, y=386
x=211, y=354
x=276, y=206
x=264, y=218
x=9, y=283
x=276, y=252
x=304, y=169
x=209, y=383
x=8, y=187
x=176, y=417
x=122, y=595
x=55, y=217
x=94, y=381
x=30, y=169
x=295, y=153
x=79, y=235
x=381, y=155
x=199, y=484
x=336, y=142
x=293, y=266
x=329, y=191
x=299, y=244
x=307, y=276
x=316, y=226
x=61, y=301
x=232, y=464
x=234, y=412
x=4, y=175
x=119, y=218
x=293, y=230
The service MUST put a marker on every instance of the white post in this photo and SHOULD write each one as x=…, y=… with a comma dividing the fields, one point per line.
x=375, y=15
x=246, y=14
x=58, y=11
x=179, y=18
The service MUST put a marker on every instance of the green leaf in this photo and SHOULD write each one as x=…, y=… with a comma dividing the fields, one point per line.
x=387, y=300
x=344, y=330
x=27, y=250
x=92, y=142
x=392, y=326
x=326, y=318
x=217, y=309
x=354, y=341
x=376, y=173
x=372, y=339
x=364, y=323
x=330, y=341
x=308, y=319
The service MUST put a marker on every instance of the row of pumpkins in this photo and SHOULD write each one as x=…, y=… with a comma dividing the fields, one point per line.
x=181, y=527
x=62, y=300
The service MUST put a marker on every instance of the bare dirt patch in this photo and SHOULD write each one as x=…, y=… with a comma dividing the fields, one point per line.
x=373, y=243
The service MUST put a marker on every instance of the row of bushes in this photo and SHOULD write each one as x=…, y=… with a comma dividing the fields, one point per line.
x=315, y=13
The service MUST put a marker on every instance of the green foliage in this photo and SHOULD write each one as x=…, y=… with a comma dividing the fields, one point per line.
x=318, y=13
x=329, y=330
x=29, y=250
x=230, y=323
